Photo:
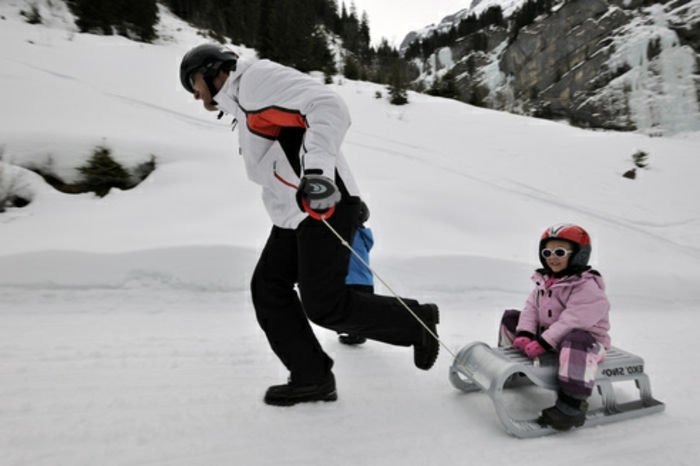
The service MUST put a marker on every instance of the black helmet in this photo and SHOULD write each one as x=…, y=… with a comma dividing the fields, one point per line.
x=208, y=59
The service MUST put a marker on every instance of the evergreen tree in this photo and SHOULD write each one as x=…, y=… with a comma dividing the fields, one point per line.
x=413, y=50
x=309, y=47
x=326, y=12
x=468, y=25
x=398, y=94
x=364, y=29
x=321, y=57
x=445, y=86
x=492, y=16
x=350, y=33
x=294, y=33
x=107, y=16
x=138, y=18
x=527, y=14
x=266, y=44
x=94, y=15
x=102, y=172
x=342, y=19
x=351, y=67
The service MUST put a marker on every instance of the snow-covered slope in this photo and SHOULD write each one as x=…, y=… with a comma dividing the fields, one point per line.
x=508, y=6
x=127, y=335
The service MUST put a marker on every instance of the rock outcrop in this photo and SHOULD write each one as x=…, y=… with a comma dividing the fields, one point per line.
x=615, y=64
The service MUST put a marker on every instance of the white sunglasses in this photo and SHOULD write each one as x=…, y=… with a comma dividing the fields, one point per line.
x=559, y=252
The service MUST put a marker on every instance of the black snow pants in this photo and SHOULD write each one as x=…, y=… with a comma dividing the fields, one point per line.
x=312, y=257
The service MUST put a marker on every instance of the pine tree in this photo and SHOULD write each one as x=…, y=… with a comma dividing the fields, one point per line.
x=107, y=16
x=94, y=15
x=326, y=11
x=301, y=35
x=351, y=67
x=266, y=44
x=527, y=14
x=492, y=16
x=294, y=32
x=398, y=94
x=138, y=18
x=364, y=30
x=445, y=86
x=102, y=172
x=320, y=56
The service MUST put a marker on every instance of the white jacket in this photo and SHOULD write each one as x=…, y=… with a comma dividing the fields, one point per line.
x=264, y=97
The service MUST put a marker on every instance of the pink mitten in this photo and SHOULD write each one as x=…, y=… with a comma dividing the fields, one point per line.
x=534, y=349
x=520, y=343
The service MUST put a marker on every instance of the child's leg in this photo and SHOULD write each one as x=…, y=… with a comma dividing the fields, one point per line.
x=579, y=357
x=506, y=333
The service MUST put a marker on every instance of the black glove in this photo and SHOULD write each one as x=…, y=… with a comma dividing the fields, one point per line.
x=320, y=193
x=364, y=212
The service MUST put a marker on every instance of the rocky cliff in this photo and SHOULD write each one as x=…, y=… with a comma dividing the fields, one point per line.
x=616, y=64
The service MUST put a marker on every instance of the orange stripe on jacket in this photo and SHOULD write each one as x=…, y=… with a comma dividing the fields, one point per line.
x=269, y=122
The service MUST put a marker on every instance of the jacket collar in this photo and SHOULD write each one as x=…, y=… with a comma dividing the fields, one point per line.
x=227, y=97
x=540, y=278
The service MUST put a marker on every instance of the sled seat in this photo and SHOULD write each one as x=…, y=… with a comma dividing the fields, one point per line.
x=478, y=367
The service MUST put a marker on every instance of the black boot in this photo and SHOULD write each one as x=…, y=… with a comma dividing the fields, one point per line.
x=426, y=351
x=568, y=412
x=351, y=339
x=290, y=393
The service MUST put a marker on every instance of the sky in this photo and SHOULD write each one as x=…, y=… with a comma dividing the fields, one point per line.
x=385, y=19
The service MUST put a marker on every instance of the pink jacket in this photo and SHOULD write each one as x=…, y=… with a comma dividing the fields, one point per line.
x=574, y=302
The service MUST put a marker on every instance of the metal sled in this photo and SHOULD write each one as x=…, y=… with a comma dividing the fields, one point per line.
x=478, y=367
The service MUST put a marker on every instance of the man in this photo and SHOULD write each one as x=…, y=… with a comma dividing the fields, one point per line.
x=290, y=132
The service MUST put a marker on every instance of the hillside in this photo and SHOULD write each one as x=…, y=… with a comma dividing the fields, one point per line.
x=624, y=65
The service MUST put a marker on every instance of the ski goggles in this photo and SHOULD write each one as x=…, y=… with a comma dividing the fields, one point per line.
x=209, y=70
x=559, y=252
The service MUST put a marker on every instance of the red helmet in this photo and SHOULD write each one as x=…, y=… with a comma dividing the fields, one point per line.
x=574, y=234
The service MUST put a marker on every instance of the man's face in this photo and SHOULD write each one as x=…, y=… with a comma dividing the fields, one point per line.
x=201, y=92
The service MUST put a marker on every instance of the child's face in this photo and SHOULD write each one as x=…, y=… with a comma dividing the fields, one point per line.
x=554, y=262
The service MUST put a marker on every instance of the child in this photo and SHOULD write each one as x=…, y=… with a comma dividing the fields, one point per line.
x=566, y=313
x=359, y=277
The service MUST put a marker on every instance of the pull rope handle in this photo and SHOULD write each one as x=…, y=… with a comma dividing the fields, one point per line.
x=398, y=298
x=317, y=215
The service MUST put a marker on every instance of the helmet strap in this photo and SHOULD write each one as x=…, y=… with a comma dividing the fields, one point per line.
x=209, y=80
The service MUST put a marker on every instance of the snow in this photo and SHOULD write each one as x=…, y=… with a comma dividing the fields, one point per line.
x=436, y=66
x=508, y=6
x=661, y=91
x=127, y=331
x=444, y=58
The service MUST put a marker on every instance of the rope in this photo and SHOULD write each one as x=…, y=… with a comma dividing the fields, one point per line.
x=398, y=298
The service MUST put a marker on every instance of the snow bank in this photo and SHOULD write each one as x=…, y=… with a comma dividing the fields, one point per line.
x=203, y=268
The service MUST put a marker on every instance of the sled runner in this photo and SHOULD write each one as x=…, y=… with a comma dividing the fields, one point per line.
x=477, y=367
